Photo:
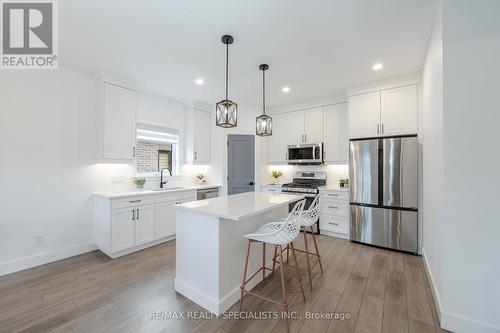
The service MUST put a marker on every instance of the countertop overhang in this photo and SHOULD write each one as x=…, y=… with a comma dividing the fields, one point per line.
x=134, y=193
x=239, y=206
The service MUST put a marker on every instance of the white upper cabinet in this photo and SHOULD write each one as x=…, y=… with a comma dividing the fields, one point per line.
x=388, y=112
x=295, y=128
x=278, y=141
x=364, y=115
x=313, y=125
x=116, y=122
x=399, y=111
x=198, y=125
x=336, y=133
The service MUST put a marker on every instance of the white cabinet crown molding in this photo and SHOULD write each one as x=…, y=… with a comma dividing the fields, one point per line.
x=118, y=80
x=394, y=82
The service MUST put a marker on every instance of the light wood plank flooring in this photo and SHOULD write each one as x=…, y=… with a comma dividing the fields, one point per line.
x=382, y=291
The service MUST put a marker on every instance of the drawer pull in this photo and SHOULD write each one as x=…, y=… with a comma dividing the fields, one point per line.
x=334, y=207
x=333, y=223
x=134, y=201
x=333, y=194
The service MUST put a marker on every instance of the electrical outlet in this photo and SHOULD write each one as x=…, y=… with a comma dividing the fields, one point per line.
x=39, y=240
x=116, y=180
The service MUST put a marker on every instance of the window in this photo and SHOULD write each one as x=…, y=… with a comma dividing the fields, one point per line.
x=157, y=149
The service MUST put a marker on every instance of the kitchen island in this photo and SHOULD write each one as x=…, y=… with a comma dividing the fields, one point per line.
x=210, y=245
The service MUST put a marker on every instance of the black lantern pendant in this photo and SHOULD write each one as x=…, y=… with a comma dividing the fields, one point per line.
x=264, y=125
x=226, y=110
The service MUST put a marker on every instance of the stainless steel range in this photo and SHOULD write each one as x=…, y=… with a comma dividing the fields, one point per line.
x=306, y=183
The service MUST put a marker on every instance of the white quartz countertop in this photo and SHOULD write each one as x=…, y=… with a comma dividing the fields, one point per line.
x=137, y=192
x=333, y=188
x=238, y=206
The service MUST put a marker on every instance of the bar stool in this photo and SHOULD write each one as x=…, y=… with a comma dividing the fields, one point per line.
x=279, y=234
x=308, y=220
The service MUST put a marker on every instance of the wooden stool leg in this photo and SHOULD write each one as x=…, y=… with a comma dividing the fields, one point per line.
x=263, y=261
x=274, y=257
x=307, y=259
x=245, y=268
x=317, y=250
x=298, y=271
x=287, y=253
x=283, y=288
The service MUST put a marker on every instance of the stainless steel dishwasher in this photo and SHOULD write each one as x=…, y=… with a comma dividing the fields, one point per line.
x=207, y=193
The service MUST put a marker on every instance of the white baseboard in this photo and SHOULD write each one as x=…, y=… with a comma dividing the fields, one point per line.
x=452, y=321
x=44, y=258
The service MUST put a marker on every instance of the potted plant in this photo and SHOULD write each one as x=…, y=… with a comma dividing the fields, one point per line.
x=201, y=178
x=276, y=174
x=344, y=182
x=139, y=182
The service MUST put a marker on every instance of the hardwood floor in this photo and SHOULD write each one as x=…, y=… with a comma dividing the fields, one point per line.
x=380, y=291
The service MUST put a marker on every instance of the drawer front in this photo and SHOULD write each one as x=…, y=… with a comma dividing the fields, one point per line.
x=339, y=224
x=177, y=196
x=334, y=207
x=132, y=201
x=339, y=195
x=271, y=189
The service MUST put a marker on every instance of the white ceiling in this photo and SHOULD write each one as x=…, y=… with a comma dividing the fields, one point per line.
x=317, y=47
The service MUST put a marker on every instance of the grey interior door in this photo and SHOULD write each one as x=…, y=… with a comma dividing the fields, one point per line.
x=363, y=171
x=241, y=164
x=400, y=172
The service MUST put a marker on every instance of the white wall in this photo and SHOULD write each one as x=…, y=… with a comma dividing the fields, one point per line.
x=462, y=251
x=45, y=172
x=432, y=210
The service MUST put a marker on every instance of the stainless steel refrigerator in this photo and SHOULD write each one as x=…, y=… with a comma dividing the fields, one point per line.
x=384, y=192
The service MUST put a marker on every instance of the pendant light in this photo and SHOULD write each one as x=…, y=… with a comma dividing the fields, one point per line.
x=264, y=125
x=226, y=110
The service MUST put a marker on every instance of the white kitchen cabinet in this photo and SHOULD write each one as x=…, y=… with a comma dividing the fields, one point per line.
x=165, y=211
x=313, y=125
x=364, y=115
x=399, y=113
x=123, y=229
x=278, y=141
x=334, y=217
x=124, y=225
x=387, y=112
x=144, y=224
x=165, y=219
x=336, y=133
x=295, y=128
x=115, y=132
x=197, y=133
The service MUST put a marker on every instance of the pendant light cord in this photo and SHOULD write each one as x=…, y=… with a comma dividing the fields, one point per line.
x=227, y=69
x=264, y=92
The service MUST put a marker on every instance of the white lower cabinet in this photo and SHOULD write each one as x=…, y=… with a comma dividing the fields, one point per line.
x=126, y=225
x=335, y=214
x=123, y=229
x=144, y=224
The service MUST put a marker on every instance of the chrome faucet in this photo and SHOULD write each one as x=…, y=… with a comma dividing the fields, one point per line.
x=161, y=177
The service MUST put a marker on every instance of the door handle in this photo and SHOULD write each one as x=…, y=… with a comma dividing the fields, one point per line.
x=251, y=183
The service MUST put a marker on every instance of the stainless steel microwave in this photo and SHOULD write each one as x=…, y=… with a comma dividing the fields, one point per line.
x=305, y=154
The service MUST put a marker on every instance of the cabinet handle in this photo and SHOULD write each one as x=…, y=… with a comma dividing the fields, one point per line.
x=333, y=194
x=305, y=137
x=333, y=223
x=378, y=128
x=133, y=214
x=382, y=128
x=134, y=201
x=133, y=152
x=334, y=207
x=195, y=155
x=137, y=215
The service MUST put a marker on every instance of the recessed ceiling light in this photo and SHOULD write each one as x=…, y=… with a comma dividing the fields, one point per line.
x=377, y=66
x=199, y=81
x=285, y=89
